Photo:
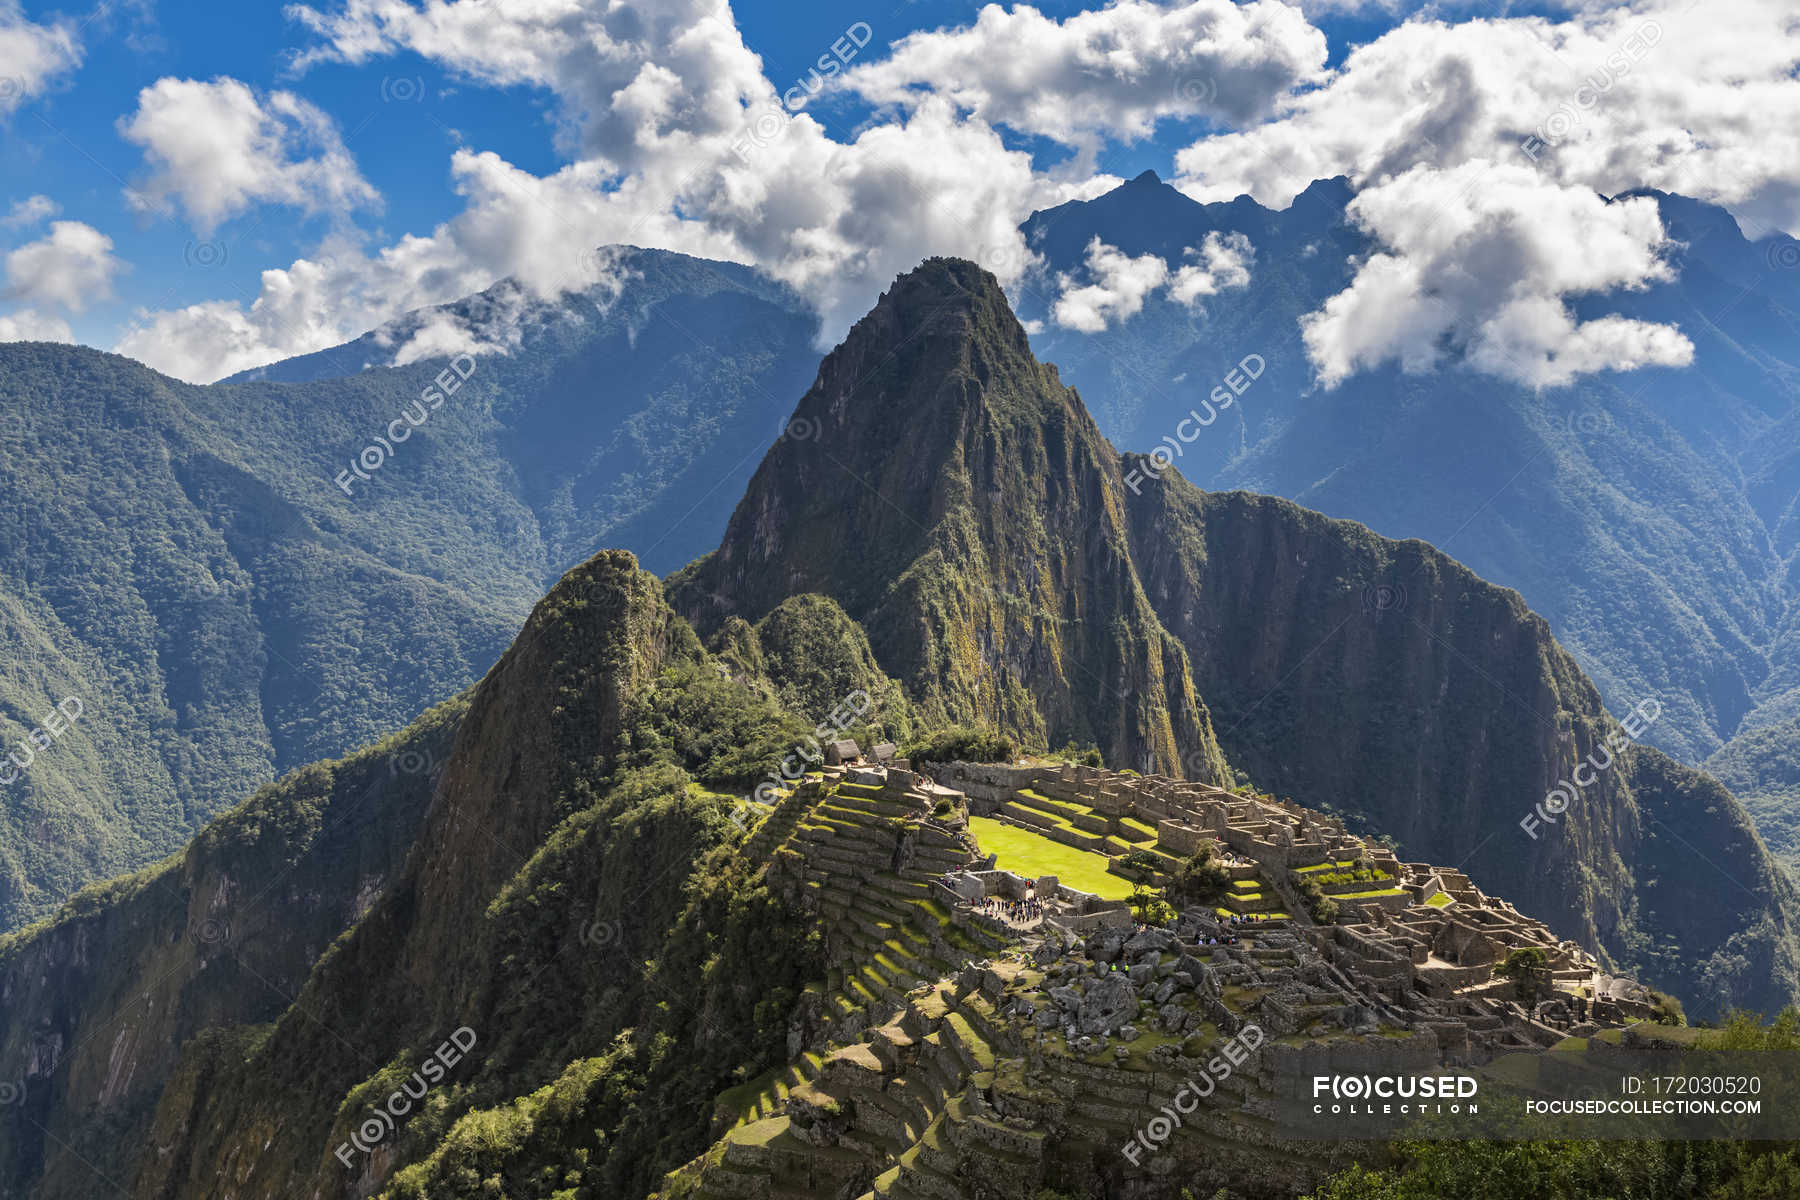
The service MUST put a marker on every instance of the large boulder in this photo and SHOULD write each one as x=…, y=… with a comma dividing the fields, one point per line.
x=1149, y=939
x=1199, y=974
x=1105, y=946
x=1107, y=1005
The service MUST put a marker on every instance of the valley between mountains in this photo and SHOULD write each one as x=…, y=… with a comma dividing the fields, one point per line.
x=669, y=990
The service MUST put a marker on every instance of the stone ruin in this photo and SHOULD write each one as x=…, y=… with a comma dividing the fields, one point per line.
x=1414, y=946
x=948, y=1053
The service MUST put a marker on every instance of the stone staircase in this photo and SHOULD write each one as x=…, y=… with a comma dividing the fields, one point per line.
x=766, y=1096
x=895, y=1115
x=860, y=856
x=1061, y=821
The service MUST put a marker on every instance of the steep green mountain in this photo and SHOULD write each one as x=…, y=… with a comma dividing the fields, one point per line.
x=556, y=871
x=183, y=563
x=136, y=974
x=1381, y=679
x=1646, y=516
x=1388, y=682
x=568, y=845
x=958, y=502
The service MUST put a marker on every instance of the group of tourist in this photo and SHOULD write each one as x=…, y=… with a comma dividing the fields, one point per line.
x=1013, y=912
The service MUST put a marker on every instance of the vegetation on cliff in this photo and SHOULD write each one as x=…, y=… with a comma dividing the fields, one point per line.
x=181, y=561
x=564, y=870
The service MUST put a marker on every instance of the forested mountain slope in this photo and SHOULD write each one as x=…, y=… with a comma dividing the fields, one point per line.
x=229, y=589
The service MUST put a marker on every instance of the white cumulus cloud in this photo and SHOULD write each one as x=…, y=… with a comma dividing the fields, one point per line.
x=72, y=266
x=1480, y=261
x=1221, y=262
x=218, y=148
x=28, y=325
x=1113, y=71
x=1703, y=100
x=32, y=55
x=691, y=151
x=29, y=211
x=1119, y=283
x=674, y=137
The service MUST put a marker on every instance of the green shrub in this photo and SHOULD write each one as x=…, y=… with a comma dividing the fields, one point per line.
x=1529, y=969
x=1199, y=880
x=1086, y=756
x=963, y=744
x=1320, y=907
x=1150, y=908
x=1141, y=863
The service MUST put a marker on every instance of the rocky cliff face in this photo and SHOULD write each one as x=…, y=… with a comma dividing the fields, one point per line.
x=1386, y=681
x=98, y=1005
x=1381, y=678
x=956, y=499
x=579, y=897
x=423, y=962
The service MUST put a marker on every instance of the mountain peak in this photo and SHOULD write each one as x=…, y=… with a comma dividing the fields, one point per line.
x=945, y=320
x=1147, y=178
x=938, y=284
x=957, y=500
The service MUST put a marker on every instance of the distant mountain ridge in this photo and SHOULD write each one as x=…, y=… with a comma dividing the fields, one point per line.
x=181, y=560
x=1657, y=534
x=1647, y=515
x=1042, y=592
x=557, y=859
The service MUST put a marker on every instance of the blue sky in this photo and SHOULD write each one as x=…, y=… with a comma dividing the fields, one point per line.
x=68, y=147
x=452, y=141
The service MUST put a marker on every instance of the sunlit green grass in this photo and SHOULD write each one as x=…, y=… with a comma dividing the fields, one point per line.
x=1032, y=854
